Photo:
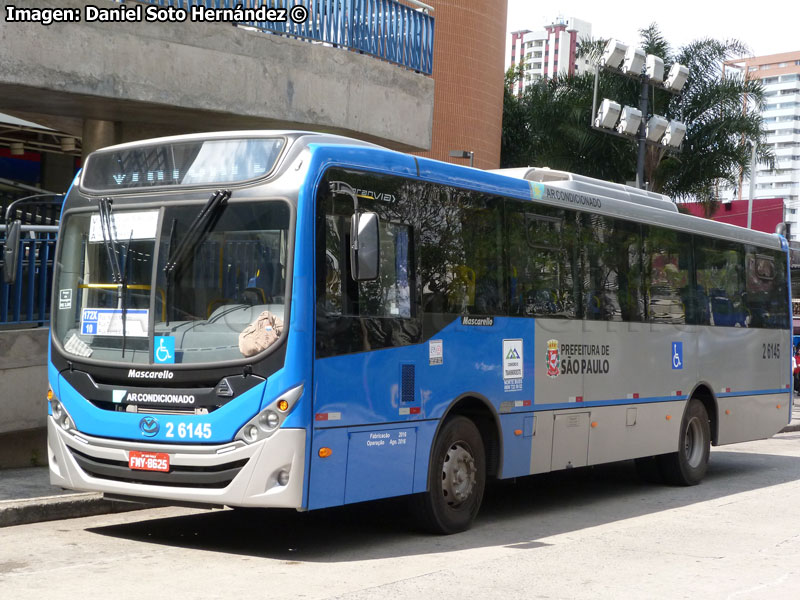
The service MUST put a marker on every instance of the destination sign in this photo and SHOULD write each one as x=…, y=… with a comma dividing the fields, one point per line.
x=196, y=163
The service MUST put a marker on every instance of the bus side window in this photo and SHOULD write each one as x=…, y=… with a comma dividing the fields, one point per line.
x=461, y=252
x=667, y=268
x=612, y=273
x=720, y=281
x=765, y=288
x=541, y=267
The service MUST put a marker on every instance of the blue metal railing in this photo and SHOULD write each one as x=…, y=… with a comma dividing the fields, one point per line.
x=27, y=300
x=385, y=29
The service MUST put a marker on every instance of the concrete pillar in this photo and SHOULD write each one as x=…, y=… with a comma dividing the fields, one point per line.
x=98, y=134
x=58, y=171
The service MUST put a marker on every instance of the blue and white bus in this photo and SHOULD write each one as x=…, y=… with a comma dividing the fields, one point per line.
x=292, y=319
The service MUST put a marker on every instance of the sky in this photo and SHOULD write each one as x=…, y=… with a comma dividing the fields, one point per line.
x=774, y=29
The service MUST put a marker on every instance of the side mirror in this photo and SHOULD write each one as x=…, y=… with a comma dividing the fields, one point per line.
x=365, y=246
x=11, y=252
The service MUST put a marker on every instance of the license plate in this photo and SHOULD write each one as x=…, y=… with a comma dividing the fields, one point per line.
x=149, y=461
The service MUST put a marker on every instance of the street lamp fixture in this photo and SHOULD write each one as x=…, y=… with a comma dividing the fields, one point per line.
x=634, y=61
x=656, y=126
x=613, y=54
x=629, y=121
x=655, y=69
x=678, y=74
x=463, y=154
x=675, y=134
x=608, y=114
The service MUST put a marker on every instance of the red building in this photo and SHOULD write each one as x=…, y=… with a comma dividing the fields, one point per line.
x=767, y=213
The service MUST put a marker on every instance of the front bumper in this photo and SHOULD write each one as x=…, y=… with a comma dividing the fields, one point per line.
x=232, y=474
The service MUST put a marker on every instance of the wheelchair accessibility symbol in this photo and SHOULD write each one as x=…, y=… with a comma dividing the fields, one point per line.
x=165, y=350
x=677, y=355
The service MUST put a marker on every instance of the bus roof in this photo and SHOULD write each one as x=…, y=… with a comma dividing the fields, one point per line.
x=617, y=199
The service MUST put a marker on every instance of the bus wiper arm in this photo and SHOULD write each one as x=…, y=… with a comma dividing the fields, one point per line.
x=124, y=292
x=197, y=230
x=109, y=241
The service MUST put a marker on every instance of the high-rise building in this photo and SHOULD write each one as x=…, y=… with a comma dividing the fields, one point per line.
x=780, y=76
x=550, y=51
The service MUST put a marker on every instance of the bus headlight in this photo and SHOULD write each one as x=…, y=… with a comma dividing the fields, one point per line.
x=60, y=414
x=269, y=420
x=251, y=434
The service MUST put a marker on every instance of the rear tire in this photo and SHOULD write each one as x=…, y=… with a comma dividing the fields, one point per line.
x=689, y=464
x=456, y=478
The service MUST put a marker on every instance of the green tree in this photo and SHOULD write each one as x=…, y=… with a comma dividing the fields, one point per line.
x=549, y=124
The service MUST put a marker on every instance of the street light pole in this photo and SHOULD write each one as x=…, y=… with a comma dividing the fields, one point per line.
x=631, y=123
x=640, y=183
x=752, y=187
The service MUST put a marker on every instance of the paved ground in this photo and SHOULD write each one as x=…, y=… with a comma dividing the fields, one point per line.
x=596, y=533
x=26, y=495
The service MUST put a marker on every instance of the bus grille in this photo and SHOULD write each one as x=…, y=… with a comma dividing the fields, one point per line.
x=154, y=410
x=217, y=476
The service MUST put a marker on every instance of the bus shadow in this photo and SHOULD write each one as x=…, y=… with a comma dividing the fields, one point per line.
x=517, y=514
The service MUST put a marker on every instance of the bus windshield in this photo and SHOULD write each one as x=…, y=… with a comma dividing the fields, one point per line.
x=192, y=312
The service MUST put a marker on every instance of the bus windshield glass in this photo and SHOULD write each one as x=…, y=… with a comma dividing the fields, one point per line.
x=195, y=312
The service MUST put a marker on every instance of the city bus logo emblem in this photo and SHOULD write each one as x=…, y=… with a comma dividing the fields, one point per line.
x=149, y=426
x=552, y=358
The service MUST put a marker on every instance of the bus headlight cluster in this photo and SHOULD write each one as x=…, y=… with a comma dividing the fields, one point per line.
x=269, y=420
x=60, y=414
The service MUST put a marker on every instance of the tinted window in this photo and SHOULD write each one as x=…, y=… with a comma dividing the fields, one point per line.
x=668, y=283
x=611, y=275
x=355, y=316
x=460, y=251
x=720, y=283
x=541, y=253
x=766, y=295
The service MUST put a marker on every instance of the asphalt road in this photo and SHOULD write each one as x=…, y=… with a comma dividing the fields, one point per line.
x=589, y=533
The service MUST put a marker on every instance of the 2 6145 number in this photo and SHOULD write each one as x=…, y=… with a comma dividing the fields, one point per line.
x=188, y=431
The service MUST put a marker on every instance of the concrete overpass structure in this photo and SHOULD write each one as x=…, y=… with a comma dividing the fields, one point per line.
x=106, y=83
x=113, y=82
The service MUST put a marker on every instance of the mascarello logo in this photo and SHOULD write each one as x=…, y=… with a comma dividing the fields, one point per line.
x=552, y=358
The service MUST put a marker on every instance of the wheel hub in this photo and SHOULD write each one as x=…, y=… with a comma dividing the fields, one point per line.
x=458, y=474
x=693, y=448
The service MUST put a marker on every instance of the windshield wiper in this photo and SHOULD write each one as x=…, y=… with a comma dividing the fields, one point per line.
x=124, y=291
x=202, y=224
x=118, y=275
x=109, y=241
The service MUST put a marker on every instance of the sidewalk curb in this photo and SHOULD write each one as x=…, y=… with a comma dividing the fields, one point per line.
x=52, y=508
x=790, y=428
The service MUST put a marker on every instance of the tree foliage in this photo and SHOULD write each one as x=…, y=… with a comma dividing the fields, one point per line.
x=549, y=125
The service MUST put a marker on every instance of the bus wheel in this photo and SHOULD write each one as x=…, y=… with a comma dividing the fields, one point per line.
x=456, y=479
x=688, y=465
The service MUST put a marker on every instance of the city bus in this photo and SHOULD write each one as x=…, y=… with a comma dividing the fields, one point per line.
x=302, y=320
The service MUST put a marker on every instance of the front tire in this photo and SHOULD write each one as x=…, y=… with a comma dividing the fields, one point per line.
x=456, y=478
x=689, y=464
